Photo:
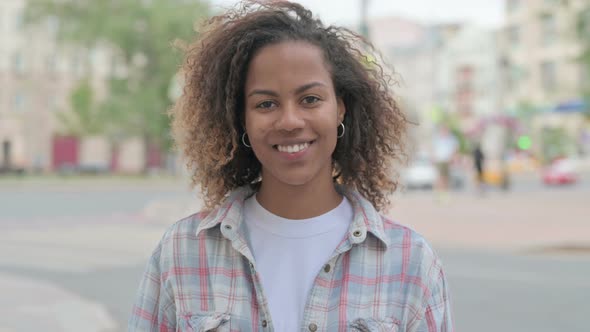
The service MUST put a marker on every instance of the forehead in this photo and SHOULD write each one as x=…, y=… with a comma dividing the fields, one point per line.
x=287, y=64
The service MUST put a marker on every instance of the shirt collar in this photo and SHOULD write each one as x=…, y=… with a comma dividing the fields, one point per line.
x=366, y=219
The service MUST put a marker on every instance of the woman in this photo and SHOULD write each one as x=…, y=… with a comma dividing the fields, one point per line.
x=290, y=133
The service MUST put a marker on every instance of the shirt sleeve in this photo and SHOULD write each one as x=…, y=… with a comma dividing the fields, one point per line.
x=437, y=310
x=154, y=308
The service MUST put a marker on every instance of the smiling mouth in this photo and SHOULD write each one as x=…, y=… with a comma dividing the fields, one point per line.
x=293, y=148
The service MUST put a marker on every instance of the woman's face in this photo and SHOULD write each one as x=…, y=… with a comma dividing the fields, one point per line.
x=292, y=113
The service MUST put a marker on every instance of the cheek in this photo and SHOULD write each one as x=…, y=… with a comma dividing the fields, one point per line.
x=248, y=121
x=251, y=125
x=256, y=132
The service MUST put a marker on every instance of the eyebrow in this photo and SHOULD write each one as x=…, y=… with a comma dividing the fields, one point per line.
x=297, y=91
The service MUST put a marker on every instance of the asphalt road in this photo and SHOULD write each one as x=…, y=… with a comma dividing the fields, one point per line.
x=491, y=290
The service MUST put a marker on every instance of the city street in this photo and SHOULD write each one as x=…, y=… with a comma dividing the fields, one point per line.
x=103, y=117
x=73, y=255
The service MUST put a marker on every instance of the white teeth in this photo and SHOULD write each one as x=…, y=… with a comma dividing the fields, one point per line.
x=293, y=148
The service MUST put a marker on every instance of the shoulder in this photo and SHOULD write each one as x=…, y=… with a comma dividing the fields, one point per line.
x=180, y=236
x=414, y=247
x=397, y=232
x=185, y=226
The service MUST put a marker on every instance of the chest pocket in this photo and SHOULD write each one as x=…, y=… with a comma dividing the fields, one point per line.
x=204, y=322
x=373, y=325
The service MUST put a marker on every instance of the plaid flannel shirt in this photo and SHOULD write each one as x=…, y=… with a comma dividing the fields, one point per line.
x=202, y=277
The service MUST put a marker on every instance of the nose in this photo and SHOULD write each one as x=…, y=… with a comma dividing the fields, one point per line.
x=289, y=118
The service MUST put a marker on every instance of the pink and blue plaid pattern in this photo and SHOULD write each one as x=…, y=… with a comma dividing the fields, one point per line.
x=202, y=276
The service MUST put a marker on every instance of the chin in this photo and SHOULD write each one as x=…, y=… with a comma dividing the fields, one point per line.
x=295, y=181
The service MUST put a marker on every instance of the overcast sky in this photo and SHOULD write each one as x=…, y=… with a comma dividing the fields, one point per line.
x=488, y=13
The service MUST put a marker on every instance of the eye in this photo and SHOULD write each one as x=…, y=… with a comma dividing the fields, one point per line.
x=310, y=100
x=266, y=104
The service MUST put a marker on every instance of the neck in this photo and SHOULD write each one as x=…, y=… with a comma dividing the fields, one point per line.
x=298, y=202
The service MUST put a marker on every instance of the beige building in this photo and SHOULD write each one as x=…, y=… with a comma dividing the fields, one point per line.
x=540, y=45
x=36, y=78
x=413, y=49
x=470, y=84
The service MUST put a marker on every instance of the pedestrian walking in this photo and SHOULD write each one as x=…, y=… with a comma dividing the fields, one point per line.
x=291, y=136
x=445, y=148
x=478, y=164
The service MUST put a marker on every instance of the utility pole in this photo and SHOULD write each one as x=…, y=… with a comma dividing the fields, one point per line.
x=364, y=26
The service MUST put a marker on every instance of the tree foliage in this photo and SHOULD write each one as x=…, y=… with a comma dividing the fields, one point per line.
x=85, y=117
x=140, y=33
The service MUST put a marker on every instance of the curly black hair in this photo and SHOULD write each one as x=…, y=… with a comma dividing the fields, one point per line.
x=208, y=119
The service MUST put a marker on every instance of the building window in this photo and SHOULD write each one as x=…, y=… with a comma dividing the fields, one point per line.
x=19, y=102
x=78, y=65
x=548, y=75
x=75, y=65
x=517, y=73
x=465, y=90
x=94, y=57
x=52, y=104
x=584, y=83
x=18, y=63
x=513, y=4
x=514, y=35
x=51, y=64
x=18, y=21
x=52, y=25
x=548, y=29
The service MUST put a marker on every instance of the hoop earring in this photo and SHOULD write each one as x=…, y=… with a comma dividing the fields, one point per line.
x=343, y=130
x=244, y=141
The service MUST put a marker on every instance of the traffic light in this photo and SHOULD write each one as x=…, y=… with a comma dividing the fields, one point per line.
x=524, y=142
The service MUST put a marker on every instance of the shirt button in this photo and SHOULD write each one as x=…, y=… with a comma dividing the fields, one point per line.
x=327, y=268
x=264, y=323
x=357, y=233
x=228, y=227
x=313, y=327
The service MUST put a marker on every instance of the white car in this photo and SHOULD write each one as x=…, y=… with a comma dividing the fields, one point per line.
x=423, y=174
x=420, y=174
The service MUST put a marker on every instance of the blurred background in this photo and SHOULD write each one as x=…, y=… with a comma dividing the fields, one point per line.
x=498, y=181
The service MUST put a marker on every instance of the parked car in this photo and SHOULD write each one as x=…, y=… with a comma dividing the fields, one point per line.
x=422, y=173
x=560, y=172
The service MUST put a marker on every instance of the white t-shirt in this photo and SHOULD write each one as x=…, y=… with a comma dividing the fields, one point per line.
x=289, y=254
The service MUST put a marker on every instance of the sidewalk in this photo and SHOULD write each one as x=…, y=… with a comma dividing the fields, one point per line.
x=546, y=221
x=34, y=305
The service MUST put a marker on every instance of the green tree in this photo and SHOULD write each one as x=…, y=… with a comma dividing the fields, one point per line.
x=85, y=117
x=141, y=33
